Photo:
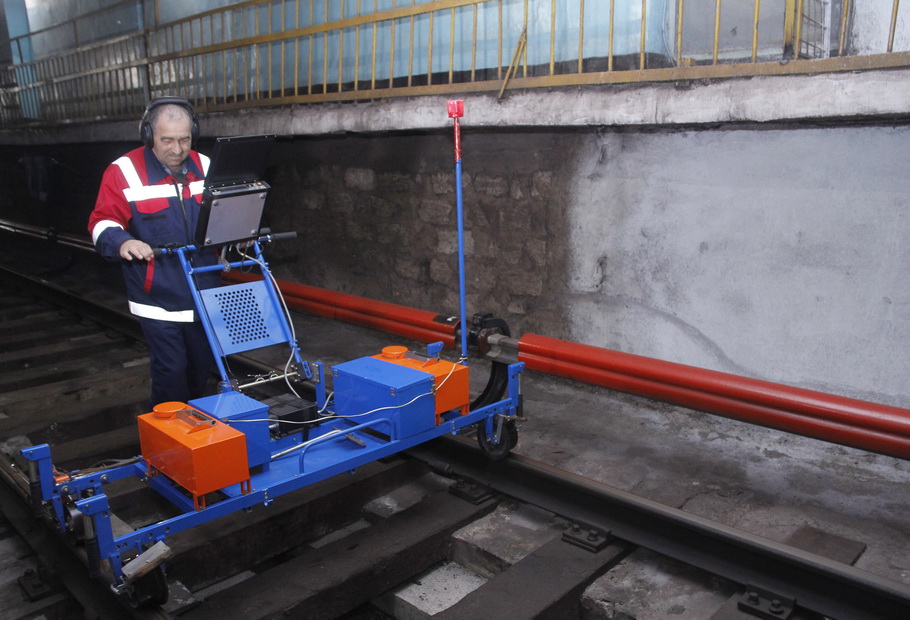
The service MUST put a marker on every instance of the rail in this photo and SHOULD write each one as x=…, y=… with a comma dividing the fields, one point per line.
x=824, y=586
x=258, y=53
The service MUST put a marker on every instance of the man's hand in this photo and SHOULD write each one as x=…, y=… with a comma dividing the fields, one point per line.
x=133, y=248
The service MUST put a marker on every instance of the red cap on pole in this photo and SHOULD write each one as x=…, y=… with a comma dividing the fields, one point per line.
x=456, y=108
x=456, y=111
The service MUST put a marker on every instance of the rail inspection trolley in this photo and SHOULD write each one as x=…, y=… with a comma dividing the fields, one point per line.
x=229, y=452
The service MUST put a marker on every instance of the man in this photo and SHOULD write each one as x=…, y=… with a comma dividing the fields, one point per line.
x=150, y=198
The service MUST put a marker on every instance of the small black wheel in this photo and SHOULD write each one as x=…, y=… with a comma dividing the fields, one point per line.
x=508, y=437
x=150, y=590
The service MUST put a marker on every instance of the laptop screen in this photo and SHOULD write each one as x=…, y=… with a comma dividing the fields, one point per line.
x=239, y=159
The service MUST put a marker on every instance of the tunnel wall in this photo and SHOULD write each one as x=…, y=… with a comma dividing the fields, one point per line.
x=776, y=253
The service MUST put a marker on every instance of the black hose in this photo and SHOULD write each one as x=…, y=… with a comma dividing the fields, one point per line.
x=499, y=371
x=34, y=489
x=496, y=386
x=94, y=557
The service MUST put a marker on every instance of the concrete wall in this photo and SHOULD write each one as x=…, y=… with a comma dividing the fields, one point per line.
x=779, y=254
x=871, y=26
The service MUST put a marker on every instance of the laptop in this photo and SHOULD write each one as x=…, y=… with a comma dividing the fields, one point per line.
x=234, y=195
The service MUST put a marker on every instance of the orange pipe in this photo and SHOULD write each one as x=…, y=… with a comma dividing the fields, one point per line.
x=420, y=325
x=390, y=325
x=862, y=424
x=828, y=430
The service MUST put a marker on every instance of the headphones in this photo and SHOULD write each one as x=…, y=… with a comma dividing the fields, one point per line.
x=147, y=134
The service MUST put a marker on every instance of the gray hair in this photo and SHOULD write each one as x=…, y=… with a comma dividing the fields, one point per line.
x=171, y=111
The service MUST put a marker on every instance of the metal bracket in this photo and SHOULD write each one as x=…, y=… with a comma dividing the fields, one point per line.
x=471, y=492
x=765, y=604
x=516, y=60
x=586, y=537
x=351, y=437
x=35, y=586
x=195, y=419
x=146, y=562
x=314, y=370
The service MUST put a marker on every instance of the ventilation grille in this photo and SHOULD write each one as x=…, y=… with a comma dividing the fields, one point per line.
x=242, y=316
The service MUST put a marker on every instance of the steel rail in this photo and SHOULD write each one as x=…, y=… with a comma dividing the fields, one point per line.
x=121, y=321
x=816, y=583
x=47, y=234
x=96, y=599
x=50, y=547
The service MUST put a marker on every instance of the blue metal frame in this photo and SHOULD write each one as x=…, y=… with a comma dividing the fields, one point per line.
x=272, y=295
x=319, y=458
x=335, y=445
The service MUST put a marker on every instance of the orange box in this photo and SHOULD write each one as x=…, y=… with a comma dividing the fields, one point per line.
x=450, y=380
x=198, y=452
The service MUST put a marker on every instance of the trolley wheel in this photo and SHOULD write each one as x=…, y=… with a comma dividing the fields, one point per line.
x=150, y=590
x=508, y=437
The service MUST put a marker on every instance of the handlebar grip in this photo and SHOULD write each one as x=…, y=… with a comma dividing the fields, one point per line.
x=171, y=248
x=282, y=236
x=167, y=249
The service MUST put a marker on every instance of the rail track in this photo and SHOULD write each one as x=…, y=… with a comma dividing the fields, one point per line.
x=75, y=376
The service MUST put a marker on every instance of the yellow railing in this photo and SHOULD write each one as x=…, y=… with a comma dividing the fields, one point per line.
x=276, y=52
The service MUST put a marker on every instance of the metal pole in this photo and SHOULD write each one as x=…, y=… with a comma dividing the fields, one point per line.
x=893, y=28
x=456, y=111
x=755, y=31
x=716, y=31
x=679, y=32
x=843, y=27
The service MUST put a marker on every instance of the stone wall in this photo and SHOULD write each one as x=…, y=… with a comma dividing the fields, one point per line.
x=377, y=218
x=776, y=253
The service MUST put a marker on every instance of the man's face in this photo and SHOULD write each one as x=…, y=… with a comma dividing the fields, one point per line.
x=172, y=141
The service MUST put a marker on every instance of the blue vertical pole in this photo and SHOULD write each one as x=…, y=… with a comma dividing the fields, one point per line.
x=456, y=111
